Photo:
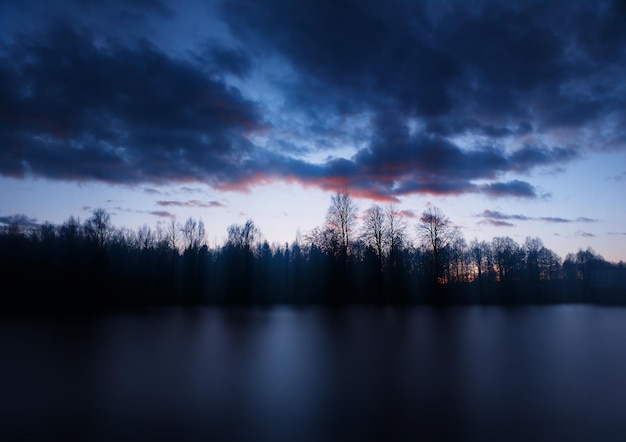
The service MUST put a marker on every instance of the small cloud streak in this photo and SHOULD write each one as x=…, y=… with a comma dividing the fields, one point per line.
x=18, y=219
x=497, y=223
x=494, y=215
x=499, y=215
x=191, y=203
x=162, y=214
x=554, y=219
x=584, y=234
x=618, y=178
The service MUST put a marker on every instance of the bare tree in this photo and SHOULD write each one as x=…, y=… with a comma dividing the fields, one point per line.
x=395, y=230
x=549, y=265
x=193, y=233
x=324, y=239
x=71, y=229
x=98, y=227
x=145, y=237
x=437, y=234
x=47, y=232
x=341, y=218
x=374, y=229
x=508, y=257
x=172, y=234
x=479, y=256
x=458, y=260
x=243, y=237
x=189, y=230
x=160, y=236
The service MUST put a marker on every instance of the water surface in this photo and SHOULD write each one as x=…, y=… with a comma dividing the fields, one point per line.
x=359, y=373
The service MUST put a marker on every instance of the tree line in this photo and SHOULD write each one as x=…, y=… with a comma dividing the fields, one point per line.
x=93, y=264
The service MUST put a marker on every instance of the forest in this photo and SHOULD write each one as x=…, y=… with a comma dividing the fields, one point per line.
x=351, y=258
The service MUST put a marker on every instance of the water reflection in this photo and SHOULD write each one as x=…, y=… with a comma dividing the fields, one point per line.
x=360, y=373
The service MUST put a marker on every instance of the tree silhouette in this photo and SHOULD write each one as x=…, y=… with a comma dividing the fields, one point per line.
x=341, y=219
x=95, y=265
x=193, y=234
x=374, y=231
x=172, y=234
x=98, y=227
x=508, y=258
x=394, y=232
x=239, y=253
x=532, y=249
x=437, y=234
x=479, y=256
x=242, y=237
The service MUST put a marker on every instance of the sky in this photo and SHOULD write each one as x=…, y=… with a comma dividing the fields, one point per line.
x=510, y=116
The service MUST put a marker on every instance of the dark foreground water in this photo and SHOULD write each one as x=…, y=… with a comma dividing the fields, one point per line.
x=472, y=373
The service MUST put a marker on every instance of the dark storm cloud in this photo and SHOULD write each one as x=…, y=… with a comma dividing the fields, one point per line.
x=461, y=97
x=365, y=53
x=519, y=69
x=122, y=21
x=398, y=163
x=502, y=62
x=129, y=9
x=451, y=126
x=74, y=109
x=530, y=157
x=229, y=60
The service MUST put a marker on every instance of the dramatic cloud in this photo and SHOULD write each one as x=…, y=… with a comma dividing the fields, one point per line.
x=400, y=163
x=72, y=108
x=386, y=100
x=501, y=62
